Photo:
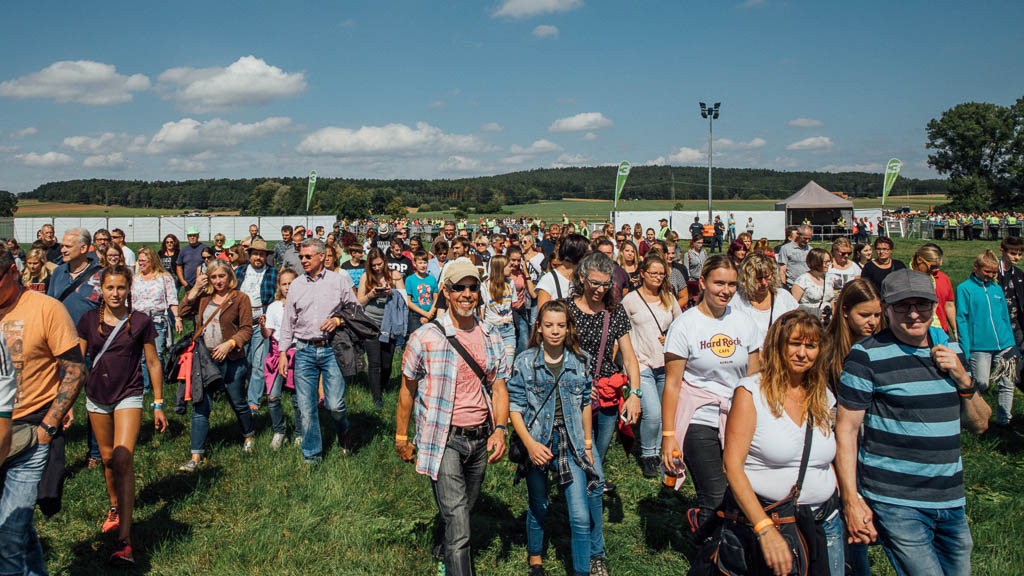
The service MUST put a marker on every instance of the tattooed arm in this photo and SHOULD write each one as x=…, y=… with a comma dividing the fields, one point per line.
x=72, y=366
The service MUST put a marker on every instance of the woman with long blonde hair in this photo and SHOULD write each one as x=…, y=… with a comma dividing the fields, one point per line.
x=629, y=260
x=156, y=295
x=497, y=294
x=36, y=275
x=765, y=437
x=858, y=314
x=760, y=292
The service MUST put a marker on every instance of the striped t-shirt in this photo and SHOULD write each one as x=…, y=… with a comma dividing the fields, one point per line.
x=910, y=450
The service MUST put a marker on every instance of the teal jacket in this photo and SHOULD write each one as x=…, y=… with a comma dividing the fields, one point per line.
x=982, y=317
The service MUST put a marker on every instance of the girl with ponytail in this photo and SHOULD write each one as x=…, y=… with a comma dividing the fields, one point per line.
x=114, y=338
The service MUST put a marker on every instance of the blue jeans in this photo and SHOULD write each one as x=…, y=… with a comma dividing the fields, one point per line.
x=834, y=541
x=924, y=540
x=508, y=338
x=277, y=411
x=456, y=489
x=21, y=552
x=652, y=383
x=980, y=364
x=605, y=422
x=521, y=320
x=162, y=333
x=311, y=364
x=256, y=353
x=233, y=373
x=584, y=514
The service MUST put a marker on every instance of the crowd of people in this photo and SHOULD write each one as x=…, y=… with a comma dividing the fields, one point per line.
x=772, y=375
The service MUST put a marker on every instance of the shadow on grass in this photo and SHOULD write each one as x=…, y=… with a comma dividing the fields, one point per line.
x=662, y=519
x=492, y=519
x=92, y=554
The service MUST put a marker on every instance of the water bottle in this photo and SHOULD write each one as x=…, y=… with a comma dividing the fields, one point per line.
x=677, y=462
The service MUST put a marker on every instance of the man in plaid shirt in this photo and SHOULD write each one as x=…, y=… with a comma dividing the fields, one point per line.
x=459, y=417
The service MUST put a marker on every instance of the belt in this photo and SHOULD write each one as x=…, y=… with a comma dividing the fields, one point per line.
x=473, y=432
x=319, y=342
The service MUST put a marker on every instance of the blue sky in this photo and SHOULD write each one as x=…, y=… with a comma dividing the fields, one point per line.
x=427, y=89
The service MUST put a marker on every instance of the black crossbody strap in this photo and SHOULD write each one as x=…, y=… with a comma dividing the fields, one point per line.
x=466, y=356
x=558, y=285
x=808, y=437
x=771, y=310
x=656, y=321
x=89, y=273
x=604, y=340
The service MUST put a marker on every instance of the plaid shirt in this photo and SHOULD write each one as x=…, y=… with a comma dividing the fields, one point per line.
x=430, y=359
x=267, y=287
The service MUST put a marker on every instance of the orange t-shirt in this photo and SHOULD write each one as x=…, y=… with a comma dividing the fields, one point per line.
x=37, y=331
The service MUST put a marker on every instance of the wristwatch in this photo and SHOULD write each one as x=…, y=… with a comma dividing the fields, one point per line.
x=636, y=392
x=51, y=430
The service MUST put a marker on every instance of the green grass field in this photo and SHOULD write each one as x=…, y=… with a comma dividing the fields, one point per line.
x=368, y=513
x=599, y=209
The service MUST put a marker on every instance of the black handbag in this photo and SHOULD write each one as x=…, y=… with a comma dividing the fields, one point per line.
x=517, y=452
x=734, y=550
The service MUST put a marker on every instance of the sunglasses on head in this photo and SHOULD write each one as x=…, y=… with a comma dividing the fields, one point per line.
x=459, y=288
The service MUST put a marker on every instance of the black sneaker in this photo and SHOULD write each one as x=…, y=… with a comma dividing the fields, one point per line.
x=649, y=466
x=536, y=570
x=609, y=486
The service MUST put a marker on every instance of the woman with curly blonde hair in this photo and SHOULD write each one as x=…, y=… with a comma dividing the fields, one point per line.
x=760, y=292
x=765, y=437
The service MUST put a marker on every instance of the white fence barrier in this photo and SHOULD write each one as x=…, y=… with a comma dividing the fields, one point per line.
x=767, y=224
x=154, y=229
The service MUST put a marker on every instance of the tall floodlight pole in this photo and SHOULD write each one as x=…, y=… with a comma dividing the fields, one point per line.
x=711, y=113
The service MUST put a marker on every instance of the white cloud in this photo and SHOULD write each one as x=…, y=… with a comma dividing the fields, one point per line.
x=814, y=143
x=112, y=161
x=492, y=127
x=516, y=159
x=44, y=160
x=185, y=165
x=82, y=81
x=13, y=148
x=538, y=147
x=870, y=167
x=545, y=31
x=457, y=163
x=805, y=123
x=527, y=8
x=389, y=139
x=248, y=80
x=191, y=136
x=590, y=136
x=580, y=123
x=105, y=143
x=659, y=161
x=30, y=131
x=724, y=144
x=686, y=156
x=567, y=160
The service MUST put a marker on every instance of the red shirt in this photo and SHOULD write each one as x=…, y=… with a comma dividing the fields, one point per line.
x=944, y=293
x=470, y=407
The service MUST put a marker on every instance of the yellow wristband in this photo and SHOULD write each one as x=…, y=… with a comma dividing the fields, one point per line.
x=337, y=321
x=158, y=400
x=668, y=433
x=400, y=438
x=762, y=525
x=588, y=443
x=233, y=343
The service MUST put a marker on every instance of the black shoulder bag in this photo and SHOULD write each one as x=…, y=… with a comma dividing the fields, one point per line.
x=89, y=273
x=734, y=549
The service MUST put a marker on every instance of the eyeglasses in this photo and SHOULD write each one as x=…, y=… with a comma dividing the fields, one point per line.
x=921, y=308
x=207, y=257
x=594, y=284
x=460, y=288
x=117, y=237
x=306, y=256
x=656, y=274
x=845, y=254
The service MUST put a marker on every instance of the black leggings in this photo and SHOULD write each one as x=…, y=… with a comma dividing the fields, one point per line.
x=702, y=454
x=379, y=356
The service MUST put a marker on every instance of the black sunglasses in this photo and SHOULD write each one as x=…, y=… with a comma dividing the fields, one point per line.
x=459, y=288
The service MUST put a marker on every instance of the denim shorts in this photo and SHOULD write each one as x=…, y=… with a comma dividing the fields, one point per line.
x=125, y=404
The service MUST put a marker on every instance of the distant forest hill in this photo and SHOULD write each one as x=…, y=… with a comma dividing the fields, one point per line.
x=356, y=197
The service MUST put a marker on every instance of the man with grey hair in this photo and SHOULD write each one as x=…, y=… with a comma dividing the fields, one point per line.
x=793, y=256
x=78, y=295
x=306, y=325
x=49, y=239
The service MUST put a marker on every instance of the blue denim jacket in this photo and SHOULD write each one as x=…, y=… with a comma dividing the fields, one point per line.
x=532, y=381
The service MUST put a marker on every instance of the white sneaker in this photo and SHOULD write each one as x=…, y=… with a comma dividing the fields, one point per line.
x=298, y=441
x=247, y=447
x=277, y=441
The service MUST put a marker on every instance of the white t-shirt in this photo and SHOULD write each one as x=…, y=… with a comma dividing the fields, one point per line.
x=497, y=312
x=251, y=285
x=129, y=257
x=773, y=462
x=716, y=351
x=535, y=266
x=8, y=381
x=275, y=316
x=840, y=278
x=547, y=284
x=815, y=297
x=784, y=302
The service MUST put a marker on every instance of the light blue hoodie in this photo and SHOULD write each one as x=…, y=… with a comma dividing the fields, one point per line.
x=982, y=316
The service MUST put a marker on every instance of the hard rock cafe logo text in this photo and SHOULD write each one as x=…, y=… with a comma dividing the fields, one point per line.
x=720, y=345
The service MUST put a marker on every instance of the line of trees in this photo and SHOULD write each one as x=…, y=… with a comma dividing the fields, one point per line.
x=358, y=197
